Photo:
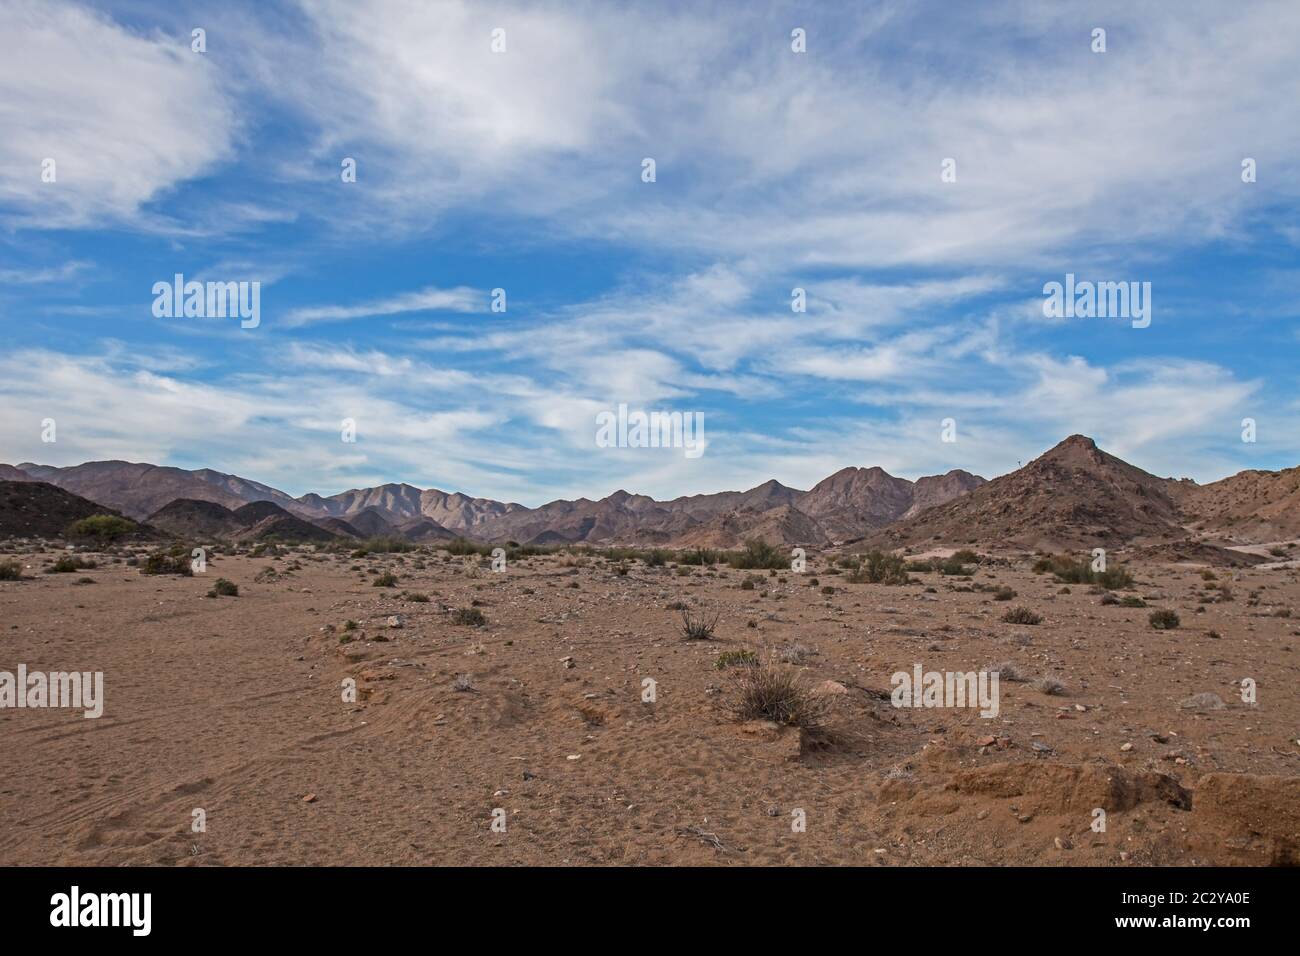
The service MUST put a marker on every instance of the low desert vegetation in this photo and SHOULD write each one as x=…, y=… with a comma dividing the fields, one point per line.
x=386, y=580
x=11, y=571
x=701, y=557
x=468, y=617
x=1070, y=570
x=103, y=528
x=1163, y=620
x=1021, y=615
x=1050, y=686
x=740, y=658
x=68, y=564
x=1004, y=594
x=758, y=556
x=698, y=627
x=383, y=544
x=224, y=588
x=776, y=693
x=166, y=562
x=877, y=567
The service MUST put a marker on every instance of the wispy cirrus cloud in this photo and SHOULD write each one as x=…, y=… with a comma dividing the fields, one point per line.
x=459, y=299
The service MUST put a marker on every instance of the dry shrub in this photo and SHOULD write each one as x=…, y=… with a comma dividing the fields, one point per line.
x=771, y=692
x=698, y=628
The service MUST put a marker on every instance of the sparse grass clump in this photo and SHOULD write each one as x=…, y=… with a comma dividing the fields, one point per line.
x=1021, y=615
x=386, y=580
x=740, y=658
x=1050, y=686
x=224, y=588
x=1004, y=594
x=468, y=617
x=1132, y=600
x=793, y=653
x=1163, y=620
x=771, y=692
x=11, y=571
x=698, y=628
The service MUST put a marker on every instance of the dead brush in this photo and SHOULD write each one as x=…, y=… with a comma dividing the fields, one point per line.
x=698, y=627
x=775, y=693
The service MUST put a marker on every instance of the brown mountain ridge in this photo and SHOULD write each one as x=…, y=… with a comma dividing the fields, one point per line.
x=1075, y=495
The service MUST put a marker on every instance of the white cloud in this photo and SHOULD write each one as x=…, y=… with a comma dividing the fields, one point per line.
x=124, y=116
x=431, y=299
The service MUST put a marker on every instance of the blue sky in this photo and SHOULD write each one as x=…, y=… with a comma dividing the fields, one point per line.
x=521, y=170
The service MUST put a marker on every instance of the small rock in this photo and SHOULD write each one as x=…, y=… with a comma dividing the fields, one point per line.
x=1126, y=747
x=396, y=620
x=1205, y=701
x=310, y=798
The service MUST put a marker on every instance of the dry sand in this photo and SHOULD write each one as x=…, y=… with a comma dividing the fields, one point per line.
x=234, y=706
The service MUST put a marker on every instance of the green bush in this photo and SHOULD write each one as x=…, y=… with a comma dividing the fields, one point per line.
x=758, y=555
x=1067, y=570
x=878, y=567
x=102, y=527
x=224, y=588
x=699, y=556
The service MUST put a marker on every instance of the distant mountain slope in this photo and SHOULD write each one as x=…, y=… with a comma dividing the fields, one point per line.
x=1252, y=506
x=37, y=509
x=190, y=518
x=1074, y=495
x=138, y=490
x=782, y=526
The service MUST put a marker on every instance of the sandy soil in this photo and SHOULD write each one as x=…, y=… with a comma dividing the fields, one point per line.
x=234, y=705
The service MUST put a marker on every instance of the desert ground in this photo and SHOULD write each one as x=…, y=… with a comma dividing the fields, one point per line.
x=234, y=706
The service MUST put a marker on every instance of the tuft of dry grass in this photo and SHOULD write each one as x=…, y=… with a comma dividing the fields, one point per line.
x=771, y=692
x=1021, y=615
x=1050, y=686
x=698, y=628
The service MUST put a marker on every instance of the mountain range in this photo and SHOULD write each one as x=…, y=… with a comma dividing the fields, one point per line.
x=1074, y=495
